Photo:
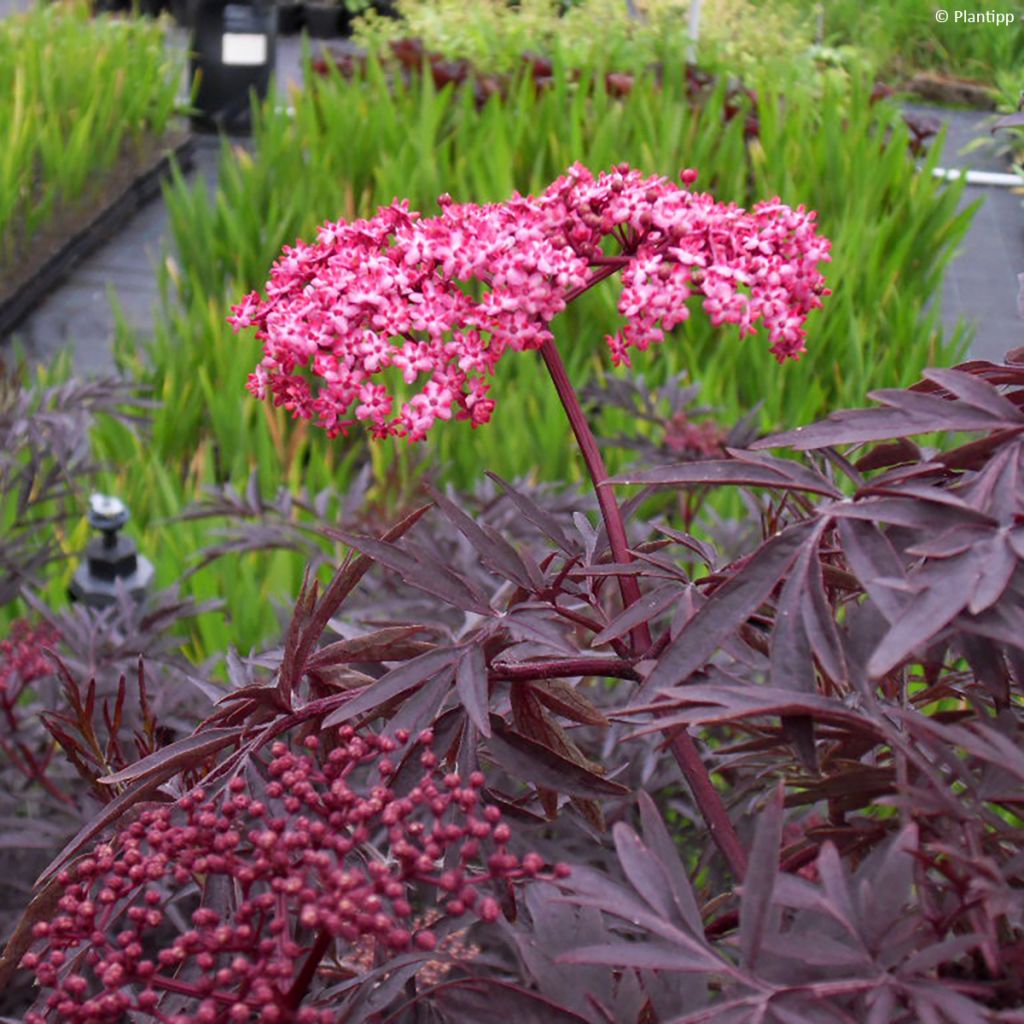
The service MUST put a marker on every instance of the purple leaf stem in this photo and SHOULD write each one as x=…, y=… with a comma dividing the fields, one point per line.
x=563, y=668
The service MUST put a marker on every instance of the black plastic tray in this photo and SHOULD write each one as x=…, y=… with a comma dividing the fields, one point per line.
x=17, y=303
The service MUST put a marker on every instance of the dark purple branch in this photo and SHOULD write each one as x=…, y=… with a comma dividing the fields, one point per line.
x=607, y=271
x=614, y=668
x=598, y=474
x=306, y=974
x=615, y=262
x=684, y=749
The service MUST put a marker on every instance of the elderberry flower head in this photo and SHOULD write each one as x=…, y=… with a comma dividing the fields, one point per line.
x=328, y=855
x=390, y=293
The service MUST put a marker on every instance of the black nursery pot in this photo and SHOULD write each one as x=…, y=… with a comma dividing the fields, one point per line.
x=290, y=18
x=233, y=49
x=326, y=21
x=149, y=8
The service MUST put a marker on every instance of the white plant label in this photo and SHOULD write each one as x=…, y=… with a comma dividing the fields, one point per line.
x=243, y=49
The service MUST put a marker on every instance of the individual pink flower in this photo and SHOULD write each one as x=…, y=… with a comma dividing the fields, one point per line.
x=441, y=299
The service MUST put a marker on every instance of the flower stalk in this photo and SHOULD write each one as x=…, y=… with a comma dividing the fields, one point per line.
x=707, y=798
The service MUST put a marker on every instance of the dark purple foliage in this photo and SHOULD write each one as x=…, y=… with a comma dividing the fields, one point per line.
x=69, y=712
x=854, y=678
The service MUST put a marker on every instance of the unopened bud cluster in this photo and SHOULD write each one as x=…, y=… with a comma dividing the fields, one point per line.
x=23, y=662
x=22, y=659
x=321, y=853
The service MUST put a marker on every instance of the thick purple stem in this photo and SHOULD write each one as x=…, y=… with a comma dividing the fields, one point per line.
x=684, y=749
x=641, y=635
x=300, y=986
x=563, y=668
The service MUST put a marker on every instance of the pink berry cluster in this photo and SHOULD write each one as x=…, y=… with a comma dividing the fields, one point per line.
x=443, y=298
x=318, y=863
x=22, y=660
x=22, y=663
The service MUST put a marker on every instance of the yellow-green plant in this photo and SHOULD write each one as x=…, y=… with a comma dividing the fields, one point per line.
x=757, y=42
x=494, y=35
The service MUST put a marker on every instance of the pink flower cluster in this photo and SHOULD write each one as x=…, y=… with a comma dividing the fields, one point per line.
x=443, y=298
x=316, y=861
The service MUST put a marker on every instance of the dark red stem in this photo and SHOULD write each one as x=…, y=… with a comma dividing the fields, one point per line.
x=564, y=668
x=308, y=971
x=707, y=798
x=640, y=634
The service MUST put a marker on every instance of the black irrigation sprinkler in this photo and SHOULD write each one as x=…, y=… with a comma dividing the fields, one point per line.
x=111, y=561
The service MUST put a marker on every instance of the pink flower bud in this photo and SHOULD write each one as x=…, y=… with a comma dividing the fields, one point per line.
x=489, y=909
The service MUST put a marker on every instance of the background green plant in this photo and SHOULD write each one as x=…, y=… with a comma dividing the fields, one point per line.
x=76, y=94
x=358, y=144
x=346, y=147
x=1006, y=141
x=757, y=42
x=494, y=35
x=905, y=36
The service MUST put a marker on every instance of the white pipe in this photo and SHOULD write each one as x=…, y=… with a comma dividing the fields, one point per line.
x=997, y=179
x=693, y=31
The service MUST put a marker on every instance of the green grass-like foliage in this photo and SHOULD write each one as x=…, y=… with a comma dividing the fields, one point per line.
x=76, y=94
x=349, y=146
x=906, y=36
